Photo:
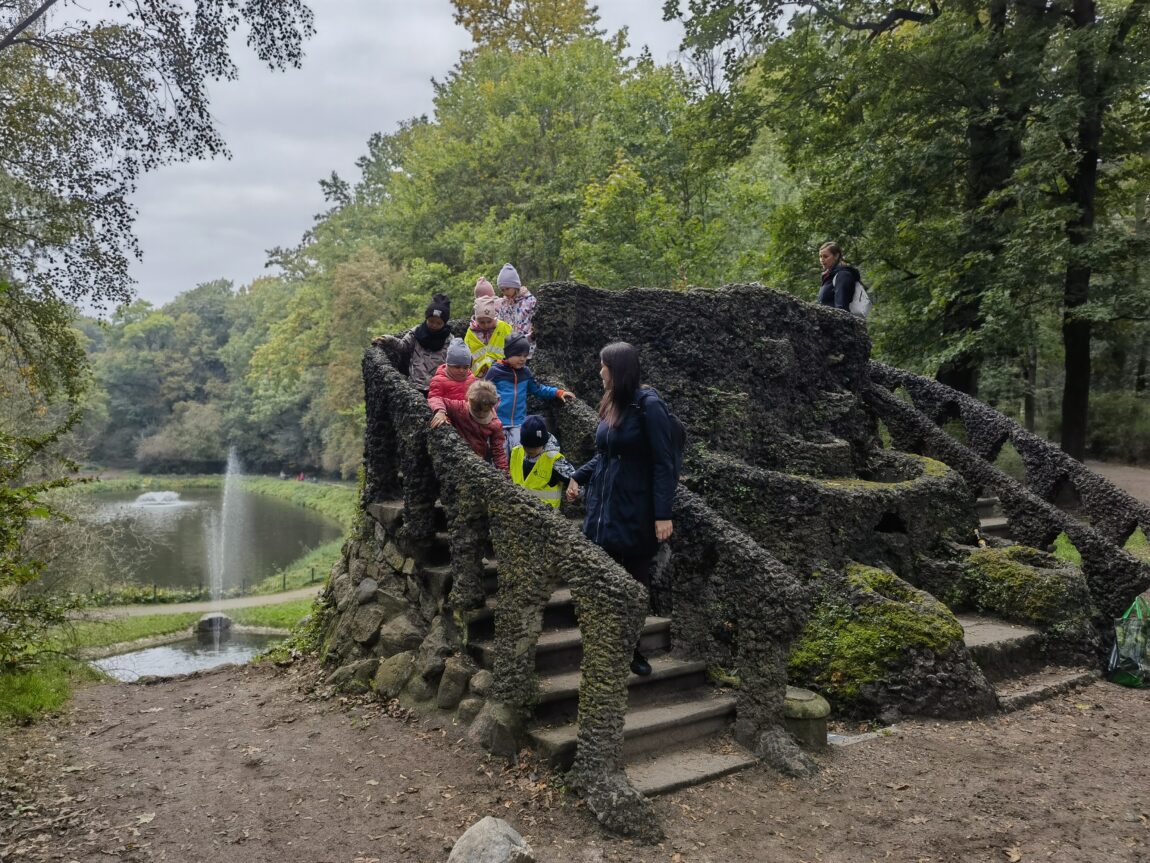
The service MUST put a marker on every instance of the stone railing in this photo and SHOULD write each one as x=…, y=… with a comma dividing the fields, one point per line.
x=536, y=548
x=1114, y=576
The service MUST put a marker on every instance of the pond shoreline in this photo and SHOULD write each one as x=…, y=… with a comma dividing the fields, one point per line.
x=90, y=653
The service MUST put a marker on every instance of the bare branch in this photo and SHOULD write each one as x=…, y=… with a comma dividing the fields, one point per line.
x=888, y=22
x=10, y=37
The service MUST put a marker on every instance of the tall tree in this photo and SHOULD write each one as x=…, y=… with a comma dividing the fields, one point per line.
x=92, y=102
x=527, y=25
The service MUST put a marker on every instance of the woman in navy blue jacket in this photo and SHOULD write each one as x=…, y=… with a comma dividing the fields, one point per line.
x=630, y=481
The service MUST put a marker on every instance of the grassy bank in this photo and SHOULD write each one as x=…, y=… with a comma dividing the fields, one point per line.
x=89, y=634
x=312, y=568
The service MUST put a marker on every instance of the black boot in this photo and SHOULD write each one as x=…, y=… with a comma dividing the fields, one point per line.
x=639, y=664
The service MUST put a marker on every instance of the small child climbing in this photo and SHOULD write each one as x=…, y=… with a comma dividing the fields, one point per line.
x=514, y=381
x=452, y=379
x=537, y=464
x=486, y=335
x=475, y=420
x=517, y=305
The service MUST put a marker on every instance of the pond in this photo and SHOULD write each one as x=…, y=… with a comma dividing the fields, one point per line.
x=176, y=540
x=185, y=656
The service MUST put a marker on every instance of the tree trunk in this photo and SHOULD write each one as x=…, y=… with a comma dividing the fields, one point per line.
x=1083, y=184
x=1029, y=386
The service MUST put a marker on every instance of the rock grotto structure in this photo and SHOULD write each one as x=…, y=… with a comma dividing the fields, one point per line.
x=825, y=534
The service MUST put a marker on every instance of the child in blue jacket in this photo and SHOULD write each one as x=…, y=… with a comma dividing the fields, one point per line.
x=514, y=382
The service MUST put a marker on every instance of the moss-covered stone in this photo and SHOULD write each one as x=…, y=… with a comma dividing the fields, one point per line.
x=865, y=628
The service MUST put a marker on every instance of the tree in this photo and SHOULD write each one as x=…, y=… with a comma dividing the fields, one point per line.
x=92, y=103
x=527, y=25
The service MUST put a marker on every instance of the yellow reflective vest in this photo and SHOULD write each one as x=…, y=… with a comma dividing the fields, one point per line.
x=538, y=482
x=483, y=355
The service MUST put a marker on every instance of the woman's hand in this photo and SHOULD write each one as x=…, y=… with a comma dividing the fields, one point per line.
x=663, y=529
x=438, y=419
x=568, y=396
x=572, y=491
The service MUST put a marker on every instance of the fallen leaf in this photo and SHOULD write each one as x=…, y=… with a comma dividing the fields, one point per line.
x=146, y=818
x=1013, y=853
x=373, y=782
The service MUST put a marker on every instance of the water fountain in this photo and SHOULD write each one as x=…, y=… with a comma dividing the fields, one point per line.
x=223, y=541
x=158, y=498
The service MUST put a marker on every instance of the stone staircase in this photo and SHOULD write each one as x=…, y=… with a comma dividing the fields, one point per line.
x=1010, y=654
x=1011, y=657
x=676, y=732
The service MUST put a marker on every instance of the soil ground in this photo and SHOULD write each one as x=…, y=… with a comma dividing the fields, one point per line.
x=258, y=764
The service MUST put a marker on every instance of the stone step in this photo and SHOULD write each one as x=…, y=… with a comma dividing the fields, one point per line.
x=997, y=525
x=1002, y=649
x=558, y=613
x=987, y=507
x=1053, y=680
x=389, y=513
x=682, y=767
x=558, y=700
x=647, y=729
x=562, y=649
x=442, y=572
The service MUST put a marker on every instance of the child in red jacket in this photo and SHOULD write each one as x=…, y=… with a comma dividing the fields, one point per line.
x=475, y=420
x=454, y=377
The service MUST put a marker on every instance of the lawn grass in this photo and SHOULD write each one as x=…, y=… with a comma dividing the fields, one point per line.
x=27, y=695
x=282, y=615
x=299, y=573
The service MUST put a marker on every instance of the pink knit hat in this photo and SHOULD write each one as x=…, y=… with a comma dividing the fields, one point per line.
x=487, y=306
x=483, y=288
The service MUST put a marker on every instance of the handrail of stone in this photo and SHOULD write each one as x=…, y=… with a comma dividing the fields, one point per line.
x=535, y=547
x=1114, y=575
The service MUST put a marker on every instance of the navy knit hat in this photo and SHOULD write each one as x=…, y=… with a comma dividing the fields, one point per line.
x=439, y=307
x=516, y=345
x=534, y=432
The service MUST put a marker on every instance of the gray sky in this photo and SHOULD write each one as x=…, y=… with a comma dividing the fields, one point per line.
x=368, y=67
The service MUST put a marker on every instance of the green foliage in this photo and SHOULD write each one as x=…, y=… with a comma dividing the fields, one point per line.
x=1119, y=428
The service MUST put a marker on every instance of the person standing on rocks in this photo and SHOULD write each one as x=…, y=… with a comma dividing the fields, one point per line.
x=630, y=481
x=839, y=278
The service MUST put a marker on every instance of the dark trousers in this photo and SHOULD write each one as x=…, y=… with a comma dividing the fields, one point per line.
x=639, y=568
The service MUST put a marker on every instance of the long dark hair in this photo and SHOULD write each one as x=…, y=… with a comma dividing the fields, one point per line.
x=622, y=362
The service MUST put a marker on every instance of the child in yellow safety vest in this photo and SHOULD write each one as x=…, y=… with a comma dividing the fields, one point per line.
x=537, y=464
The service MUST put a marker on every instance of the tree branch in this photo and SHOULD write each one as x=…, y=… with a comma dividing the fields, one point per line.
x=11, y=35
x=888, y=22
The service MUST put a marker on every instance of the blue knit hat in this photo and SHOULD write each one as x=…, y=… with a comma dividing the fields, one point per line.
x=534, y=432
x=508, y=278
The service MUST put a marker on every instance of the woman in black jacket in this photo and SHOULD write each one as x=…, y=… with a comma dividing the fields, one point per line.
x=838, y=285
x=631, y=478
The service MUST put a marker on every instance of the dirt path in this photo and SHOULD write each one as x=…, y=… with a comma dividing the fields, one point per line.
x=246, y=765
x=1133, y=480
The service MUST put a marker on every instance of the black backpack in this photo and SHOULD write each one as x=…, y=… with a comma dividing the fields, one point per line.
x=678, y=432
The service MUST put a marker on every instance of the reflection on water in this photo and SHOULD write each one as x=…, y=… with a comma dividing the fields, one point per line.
x=166, y=538
x=184, y=657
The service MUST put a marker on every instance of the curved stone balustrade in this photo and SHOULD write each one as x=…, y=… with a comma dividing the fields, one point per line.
x=1113, y=575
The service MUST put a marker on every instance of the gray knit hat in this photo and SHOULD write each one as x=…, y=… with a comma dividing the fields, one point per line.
x=508, y=278
x=458, y=354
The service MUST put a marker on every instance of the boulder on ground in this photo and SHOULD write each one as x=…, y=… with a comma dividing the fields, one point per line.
x=491, y=840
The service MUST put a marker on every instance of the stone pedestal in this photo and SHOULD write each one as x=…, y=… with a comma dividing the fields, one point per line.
x=806, y=715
